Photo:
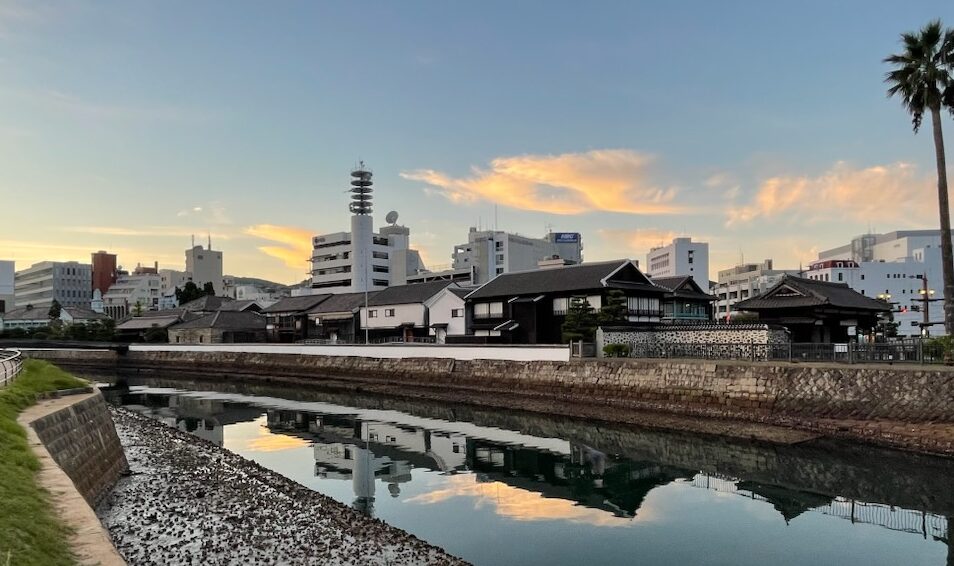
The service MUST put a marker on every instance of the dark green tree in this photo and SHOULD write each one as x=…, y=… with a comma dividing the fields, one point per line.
x=614, y=309
x=189, y=292
x=55, y=310
x=208, y=289
x=923, y=77
x=581, y=320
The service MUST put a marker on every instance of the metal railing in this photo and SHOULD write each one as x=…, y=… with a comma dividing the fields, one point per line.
x=11, y=362
x=900, y=351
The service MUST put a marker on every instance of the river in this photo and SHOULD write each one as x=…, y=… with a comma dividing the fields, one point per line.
x=499, y=488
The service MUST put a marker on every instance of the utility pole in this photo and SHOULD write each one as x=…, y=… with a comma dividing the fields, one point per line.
x=926, y=298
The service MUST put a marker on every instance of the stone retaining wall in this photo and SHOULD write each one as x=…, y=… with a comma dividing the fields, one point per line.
x=712, y=388
x=83, y=442
x=721, y=341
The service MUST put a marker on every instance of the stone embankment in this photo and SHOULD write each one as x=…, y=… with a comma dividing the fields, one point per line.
x=909, y=407
x=191, y=502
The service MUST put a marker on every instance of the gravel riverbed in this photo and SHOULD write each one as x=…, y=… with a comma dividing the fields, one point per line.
x=188, y=501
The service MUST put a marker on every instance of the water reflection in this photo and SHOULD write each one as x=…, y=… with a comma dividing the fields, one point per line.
x=530, y=469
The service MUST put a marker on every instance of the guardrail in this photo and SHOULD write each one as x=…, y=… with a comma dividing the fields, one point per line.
x=11, y=362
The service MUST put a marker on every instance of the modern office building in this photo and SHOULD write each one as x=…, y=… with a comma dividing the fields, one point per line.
x=69, y=282
x=7, y=279
x=742, y=282
x=489, y=253
x=104, y=270
x=680, y=257
x=132, y=295
x=362, y=259
x=205, y=266
x=172, y=279
x=900, y=267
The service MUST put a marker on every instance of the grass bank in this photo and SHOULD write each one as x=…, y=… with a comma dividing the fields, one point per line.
x=30, y=533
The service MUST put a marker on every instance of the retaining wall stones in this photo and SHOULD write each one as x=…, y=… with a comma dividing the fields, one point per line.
x=83, y=442
x=722, y=341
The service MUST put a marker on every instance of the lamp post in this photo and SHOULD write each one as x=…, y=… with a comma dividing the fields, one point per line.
x=927, y=297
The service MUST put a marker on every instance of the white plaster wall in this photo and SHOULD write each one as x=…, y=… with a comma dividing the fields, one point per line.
x=440, y=313
x=458, y=352
x=413, y=312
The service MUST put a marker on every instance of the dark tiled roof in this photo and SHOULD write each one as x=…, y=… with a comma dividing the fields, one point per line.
x=405, y=294
x=225, y=320
x=683, y=287
x=342, y=302
x=811, y=293
x=571, y=278
x=462, y=291
x=206, y=303
x=303, y=303
x=27, y=313
x=237, y=306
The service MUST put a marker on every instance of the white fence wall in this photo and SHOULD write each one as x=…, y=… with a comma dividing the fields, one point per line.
x=457, y=352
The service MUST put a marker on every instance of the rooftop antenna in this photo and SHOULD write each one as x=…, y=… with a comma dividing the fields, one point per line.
x=495, y=217
x=193, y=240
x=210, y=241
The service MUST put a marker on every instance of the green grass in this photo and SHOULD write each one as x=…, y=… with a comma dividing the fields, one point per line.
x=30, y=533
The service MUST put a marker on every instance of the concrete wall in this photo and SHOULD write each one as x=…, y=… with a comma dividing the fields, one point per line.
x=83, y=442
x=458, y=352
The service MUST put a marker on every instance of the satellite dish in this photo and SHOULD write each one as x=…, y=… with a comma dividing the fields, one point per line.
x=392, y=217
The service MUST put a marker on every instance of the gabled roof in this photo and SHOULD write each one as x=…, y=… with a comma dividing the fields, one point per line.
x=622, y=274
x=342, y=303
x=462, y=291
x=79, y=313
x=205, y=303
x=407, y=294
x=28, y=312
x=238, y=306
x=300, y=304
x=683, y=287
x=147, y=322
x=797, y=292
x=225, y=320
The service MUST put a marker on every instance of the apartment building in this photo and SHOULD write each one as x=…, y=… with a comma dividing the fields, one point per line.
x=68, y=282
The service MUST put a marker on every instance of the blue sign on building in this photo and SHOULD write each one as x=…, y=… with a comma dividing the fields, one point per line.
x=566, y=237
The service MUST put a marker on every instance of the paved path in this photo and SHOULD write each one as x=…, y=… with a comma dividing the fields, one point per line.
x=89, y=540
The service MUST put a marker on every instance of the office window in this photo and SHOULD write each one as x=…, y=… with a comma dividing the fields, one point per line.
x=388, y=312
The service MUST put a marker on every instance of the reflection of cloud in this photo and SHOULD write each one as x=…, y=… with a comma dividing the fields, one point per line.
x=615, y=180
x=522, y=505
x=296, y=242
x=881, y=193
x=268, y=442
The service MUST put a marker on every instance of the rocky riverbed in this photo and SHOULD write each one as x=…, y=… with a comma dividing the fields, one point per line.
x=188, y=501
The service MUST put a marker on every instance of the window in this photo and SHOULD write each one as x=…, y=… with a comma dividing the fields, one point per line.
x=841, y=276
x=500, y=258
x=862, y=276
x=372, y=314
x=201, y=339
x=499, y=271
x=379, y=255
x=388, y=312
x=496, y=309
x=498, y=245
x=457, y=313
x=560, y=306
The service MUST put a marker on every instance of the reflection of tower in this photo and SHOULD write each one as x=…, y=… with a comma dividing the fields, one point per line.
x=363, y=481
x=362, y=228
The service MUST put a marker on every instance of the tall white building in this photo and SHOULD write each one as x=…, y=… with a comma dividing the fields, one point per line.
x=205, y=266
x=7, y=279
x=742, y=282
x=681, y=257
x=70, y=283
x=895, y=266
x=489, y=253
x=362, y=259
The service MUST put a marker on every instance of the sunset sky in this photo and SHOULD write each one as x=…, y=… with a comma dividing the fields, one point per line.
x=762, y=128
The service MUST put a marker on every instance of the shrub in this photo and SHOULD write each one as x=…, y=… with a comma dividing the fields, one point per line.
x=616, y=350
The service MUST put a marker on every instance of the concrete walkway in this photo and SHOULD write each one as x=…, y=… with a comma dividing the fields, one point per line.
x=89, y=540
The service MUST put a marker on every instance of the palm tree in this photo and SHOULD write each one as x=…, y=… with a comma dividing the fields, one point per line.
x=922, y=77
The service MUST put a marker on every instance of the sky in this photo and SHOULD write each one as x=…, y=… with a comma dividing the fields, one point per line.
x=762, y=128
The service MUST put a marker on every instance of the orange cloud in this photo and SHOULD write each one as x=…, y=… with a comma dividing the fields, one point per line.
x=295, y=248
x=523, y=505
x=889, y=193
x=615, y=180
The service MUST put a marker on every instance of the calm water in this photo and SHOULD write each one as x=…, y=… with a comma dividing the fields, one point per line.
x=502, y=488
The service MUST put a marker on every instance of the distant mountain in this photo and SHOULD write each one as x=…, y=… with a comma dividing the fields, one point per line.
x=263, y=283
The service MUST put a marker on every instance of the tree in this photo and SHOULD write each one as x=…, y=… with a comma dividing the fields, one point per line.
x=208, y=289
x=615, y=308
x=581, y=320
x=137, y=308
x=922, y=78
x=189, y=292
x=55, y=310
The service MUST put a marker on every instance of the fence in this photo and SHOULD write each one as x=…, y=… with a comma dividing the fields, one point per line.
x=11, y=362
x=900, y=351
